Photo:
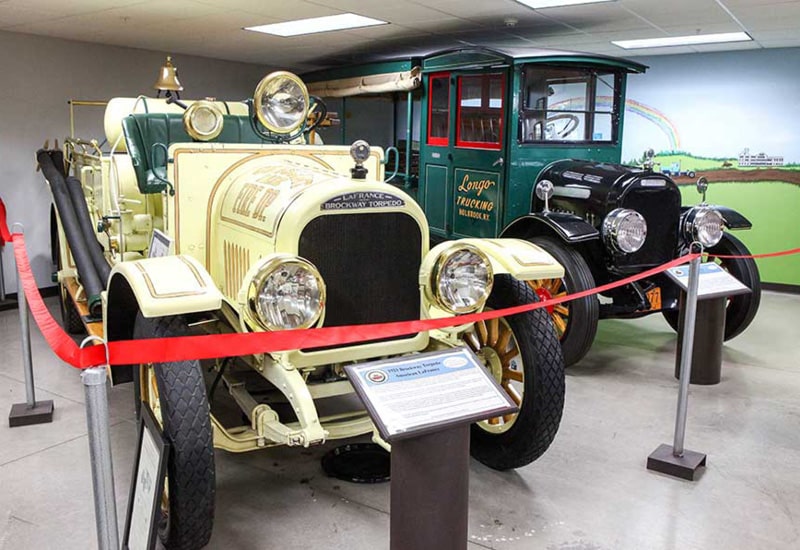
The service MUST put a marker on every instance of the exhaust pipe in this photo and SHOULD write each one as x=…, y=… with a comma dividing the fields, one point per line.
x=72, y=228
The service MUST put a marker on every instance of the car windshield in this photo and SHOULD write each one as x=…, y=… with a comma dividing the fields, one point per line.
x=566, y=104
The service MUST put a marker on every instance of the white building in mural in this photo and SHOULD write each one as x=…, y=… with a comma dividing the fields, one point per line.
x=759, y=159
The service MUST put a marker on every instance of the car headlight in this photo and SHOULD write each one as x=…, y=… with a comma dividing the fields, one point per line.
x=461, y=280
x=704, y=225
x=624, y=230
x=281, y=102
x=203, y=120
x=287, y=292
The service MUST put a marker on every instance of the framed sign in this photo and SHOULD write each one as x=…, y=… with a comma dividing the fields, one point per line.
x=416, y=394
x=160, y=244
x=713, y=281
x=147, y=485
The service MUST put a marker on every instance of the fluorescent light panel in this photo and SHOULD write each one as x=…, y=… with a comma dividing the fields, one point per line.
x=317, y=24
x=539, y=4
x=683, y=40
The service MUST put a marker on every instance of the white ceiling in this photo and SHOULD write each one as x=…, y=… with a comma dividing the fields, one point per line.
x=213, y=29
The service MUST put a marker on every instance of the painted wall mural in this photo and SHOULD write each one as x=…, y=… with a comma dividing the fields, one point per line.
x=729, y=117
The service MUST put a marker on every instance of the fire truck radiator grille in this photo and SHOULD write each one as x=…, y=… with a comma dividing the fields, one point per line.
x=370, y=264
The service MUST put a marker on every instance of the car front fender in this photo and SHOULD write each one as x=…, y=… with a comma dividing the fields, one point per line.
x=520, y=259
x=569, y=227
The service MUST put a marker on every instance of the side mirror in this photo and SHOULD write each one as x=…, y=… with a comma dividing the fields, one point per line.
x=702, y=186
x=544, y=190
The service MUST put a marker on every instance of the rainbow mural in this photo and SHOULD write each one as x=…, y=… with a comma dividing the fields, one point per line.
x=631, y=106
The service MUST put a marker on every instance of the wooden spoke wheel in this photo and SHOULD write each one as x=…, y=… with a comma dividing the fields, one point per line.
x=575, y=321
x=493, y=341
x=523, y=354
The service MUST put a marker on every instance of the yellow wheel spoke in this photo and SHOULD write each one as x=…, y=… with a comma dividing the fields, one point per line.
x=508, y=418
x=513, y=393
x=502, y=342
x=554, y=286
x=481, y=328
x=560, y=324
x=509, y=374
x=505, y=358
x=493, y=329
x=472, y=341
x=494, y=421
x=561, y=310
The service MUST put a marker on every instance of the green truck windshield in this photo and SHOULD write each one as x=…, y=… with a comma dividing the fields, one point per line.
x=566, y=104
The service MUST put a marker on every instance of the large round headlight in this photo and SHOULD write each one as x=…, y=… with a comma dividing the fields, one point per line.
x=281, y=102
x=461, y=279
x=203, y=120
x=286, y=293
x=624, y=230
x=704, y=225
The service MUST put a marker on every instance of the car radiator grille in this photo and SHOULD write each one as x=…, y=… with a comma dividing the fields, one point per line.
x=661, y=208
x=370, y=264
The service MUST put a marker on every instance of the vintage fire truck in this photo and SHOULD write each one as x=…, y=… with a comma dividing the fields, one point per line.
x=526, y=143
x=211, y=217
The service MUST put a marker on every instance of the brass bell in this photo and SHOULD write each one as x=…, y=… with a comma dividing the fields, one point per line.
x=168, y=78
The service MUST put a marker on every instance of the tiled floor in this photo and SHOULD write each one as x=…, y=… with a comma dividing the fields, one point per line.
x=590, y=491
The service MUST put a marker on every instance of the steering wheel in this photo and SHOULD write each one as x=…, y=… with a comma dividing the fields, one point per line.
x=568, y=122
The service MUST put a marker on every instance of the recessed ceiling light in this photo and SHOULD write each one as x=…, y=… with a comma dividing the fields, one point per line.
x=683, y=40
x=317, y=24
x=539, y=4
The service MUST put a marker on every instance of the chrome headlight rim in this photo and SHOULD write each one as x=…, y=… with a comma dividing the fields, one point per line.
x=192, y=128
x=693, y=221
x=441, y=261
x=258, y=101
x=262, y=275
x=612, y=225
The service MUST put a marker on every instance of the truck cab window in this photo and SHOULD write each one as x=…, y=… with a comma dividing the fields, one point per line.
x=568, y=105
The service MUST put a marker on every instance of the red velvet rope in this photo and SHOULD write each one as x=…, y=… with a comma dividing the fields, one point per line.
x=182, y=348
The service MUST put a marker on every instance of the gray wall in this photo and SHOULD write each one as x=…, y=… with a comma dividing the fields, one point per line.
x=39, y=75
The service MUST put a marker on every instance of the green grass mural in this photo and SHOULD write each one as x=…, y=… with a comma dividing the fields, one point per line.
x=773, y=209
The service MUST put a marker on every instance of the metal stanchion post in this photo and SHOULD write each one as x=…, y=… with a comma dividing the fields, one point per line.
x=30, y=412
x=675, y=460
x=105, y=503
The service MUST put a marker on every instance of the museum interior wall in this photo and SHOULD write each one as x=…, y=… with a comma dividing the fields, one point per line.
x=730, y=117
x=39, y=76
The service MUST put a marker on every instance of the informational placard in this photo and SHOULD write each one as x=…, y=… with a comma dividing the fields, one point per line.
x=411, y=395
x=160, y=244
x=713, y=281
x=147, y=484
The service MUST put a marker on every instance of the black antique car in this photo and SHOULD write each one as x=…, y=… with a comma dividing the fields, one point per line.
x=492, y=123
x=605, y=222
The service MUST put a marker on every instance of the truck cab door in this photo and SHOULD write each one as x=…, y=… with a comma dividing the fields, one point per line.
x=477, y=153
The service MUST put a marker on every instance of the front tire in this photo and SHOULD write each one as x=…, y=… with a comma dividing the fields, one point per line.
x=524, y=355
x=575, y=321
x=742, y=308
x=176, y=393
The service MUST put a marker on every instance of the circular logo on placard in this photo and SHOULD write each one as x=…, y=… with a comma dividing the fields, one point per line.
x=377, y=376
x=454, y=362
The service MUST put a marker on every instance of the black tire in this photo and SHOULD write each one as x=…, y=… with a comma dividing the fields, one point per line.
x=578, y=327
x=187, y=427
x=525, y=437
x=741, y=309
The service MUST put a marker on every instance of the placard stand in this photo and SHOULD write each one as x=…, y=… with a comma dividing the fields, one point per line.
x=701, y=281
x=430, y=491
x=423, y=405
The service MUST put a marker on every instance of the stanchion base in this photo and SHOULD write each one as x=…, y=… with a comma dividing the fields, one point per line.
x=685, y=467
x=8, y=304
x=23, y=415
